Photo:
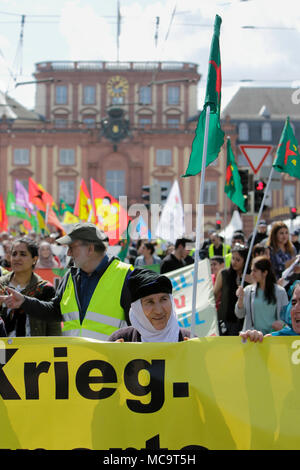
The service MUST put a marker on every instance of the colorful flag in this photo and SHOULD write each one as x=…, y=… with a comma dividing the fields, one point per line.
x=64, y=207
x=125, y=246
x=213, y=99
x=70, y=218
x=287, y=158
x=52, y=219
x=171, y=223
x=233, y=186
x=40, y=215
x=22, y=196
x=142, y=229
x=112, y=218
x=3, y=216
x=40, y=197
x=14, y=209
x=83, y=207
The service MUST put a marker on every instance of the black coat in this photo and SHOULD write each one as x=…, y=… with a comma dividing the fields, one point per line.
x=131, y=335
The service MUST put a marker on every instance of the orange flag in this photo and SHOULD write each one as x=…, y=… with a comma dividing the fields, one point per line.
x=3, y=216
x=52, y=219
x=83, y=206
x=111, y=217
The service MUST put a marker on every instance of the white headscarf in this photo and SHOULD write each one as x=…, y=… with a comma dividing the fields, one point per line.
x=148, y=333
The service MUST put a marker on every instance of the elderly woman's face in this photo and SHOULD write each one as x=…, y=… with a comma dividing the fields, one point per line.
x=157, y=308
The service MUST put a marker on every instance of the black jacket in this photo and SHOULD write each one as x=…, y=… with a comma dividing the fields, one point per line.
x=131, y=335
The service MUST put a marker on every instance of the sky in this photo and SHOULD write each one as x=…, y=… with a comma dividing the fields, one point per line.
x=267, y=54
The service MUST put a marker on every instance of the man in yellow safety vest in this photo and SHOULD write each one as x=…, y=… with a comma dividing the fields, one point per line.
x=92, y=299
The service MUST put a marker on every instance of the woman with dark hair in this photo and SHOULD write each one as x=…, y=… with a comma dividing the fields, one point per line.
x=24, y=255
x=227, y=281
x=260, y=303
x=148, y=257
x=152, y=313
x=282, y=251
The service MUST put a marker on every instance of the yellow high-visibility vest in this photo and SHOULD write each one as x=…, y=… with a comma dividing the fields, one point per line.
x=104, y=314
x=211, y=251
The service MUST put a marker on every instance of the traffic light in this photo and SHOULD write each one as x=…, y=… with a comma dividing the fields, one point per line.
x=155, y=193
x=293, y=213
x=259, y=189
x=218, y=224
x=244, y=176
x=163, y=196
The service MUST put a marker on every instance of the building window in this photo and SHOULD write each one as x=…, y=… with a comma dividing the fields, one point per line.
x=289, y=195
x=117, y=100
x=89, y=95
x=210, y=192
x=163, y=157
x=90, y=122
x=61, y=122
x=173, y=123
x=266, y=132
x=67, y=191
x=67, y=157
x=145, y=95
x=145, y=121
x=173, y=95
x=61, y=94
x=243, y=131
x=21, y=156
x=115, y=182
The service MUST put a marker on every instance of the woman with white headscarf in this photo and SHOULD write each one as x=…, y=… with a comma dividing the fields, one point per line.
x=152, y=313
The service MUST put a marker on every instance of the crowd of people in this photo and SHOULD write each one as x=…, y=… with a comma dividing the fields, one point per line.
x=102, y=297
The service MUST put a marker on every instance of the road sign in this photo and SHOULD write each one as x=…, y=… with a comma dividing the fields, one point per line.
x=256, y=155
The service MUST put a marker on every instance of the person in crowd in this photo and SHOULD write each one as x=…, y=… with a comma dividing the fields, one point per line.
x=217, y=246
x=22, y=279
x=175, y=260
x=226, y=284
x=295, y=240
x=260, y=250
x=287, y=330
x=261, y=234
x=152, y=313
x=148, y=257
x=5, y=261
x=203, y=252
x=237, y=237
x=46, y=258
x=282, y=251
x=92, y=299
x=217, y=263
x=260, y=303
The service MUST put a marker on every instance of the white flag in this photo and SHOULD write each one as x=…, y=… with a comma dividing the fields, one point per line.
x=171, y=224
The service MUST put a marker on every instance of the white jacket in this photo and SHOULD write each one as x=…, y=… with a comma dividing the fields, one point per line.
x=248, y=305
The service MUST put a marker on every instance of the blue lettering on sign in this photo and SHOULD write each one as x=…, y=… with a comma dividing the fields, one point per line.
x=185, y=320
x=177, y=286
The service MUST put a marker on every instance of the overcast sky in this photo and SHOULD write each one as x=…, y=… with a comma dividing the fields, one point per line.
x=87, y=30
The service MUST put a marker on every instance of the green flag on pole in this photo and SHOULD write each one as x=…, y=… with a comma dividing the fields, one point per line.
x=64, y=207
x=15, y=209
x=233, y=186
x=287, y=158
x=213, y=99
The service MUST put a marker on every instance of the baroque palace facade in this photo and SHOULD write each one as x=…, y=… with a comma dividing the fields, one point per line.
x=124, y=124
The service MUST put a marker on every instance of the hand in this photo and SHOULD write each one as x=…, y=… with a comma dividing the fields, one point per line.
x=120, y=340
x=277, y=325
x=253, y=335
x=186, y=338
x=13, y=300
x=240, y=292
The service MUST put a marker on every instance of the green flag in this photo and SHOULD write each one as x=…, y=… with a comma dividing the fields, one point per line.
x=15, y=209
x=287, y=158
x=213, y=99
x=124, y=250
x=64, y=207
x=233, y=185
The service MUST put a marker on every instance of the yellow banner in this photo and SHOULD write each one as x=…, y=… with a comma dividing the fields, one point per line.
x=214, y=393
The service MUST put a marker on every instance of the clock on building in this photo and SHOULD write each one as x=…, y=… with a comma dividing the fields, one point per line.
x=117, y=86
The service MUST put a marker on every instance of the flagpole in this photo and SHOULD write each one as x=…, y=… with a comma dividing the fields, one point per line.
x=256, y=225
x=200, y=218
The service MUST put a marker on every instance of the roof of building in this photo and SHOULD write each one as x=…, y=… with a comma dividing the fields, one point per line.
x=12, y=109
x=266, y=102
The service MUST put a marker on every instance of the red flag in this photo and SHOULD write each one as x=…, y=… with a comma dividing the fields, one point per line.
x=52, y=219
x=39, y=196
x=111, y=217
x=3, y=216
